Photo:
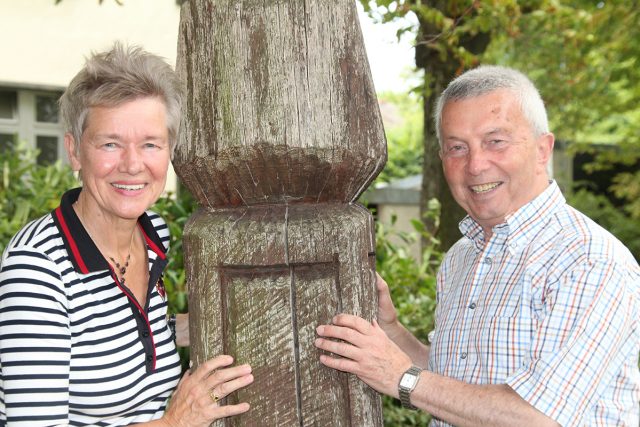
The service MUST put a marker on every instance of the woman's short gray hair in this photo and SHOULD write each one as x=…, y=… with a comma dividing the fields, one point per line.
x=121, y=74
x=488, y=78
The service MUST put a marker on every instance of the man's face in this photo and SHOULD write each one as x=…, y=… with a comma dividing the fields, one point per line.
x=492, y=161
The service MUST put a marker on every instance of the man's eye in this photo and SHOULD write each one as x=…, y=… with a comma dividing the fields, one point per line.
x=456, y=149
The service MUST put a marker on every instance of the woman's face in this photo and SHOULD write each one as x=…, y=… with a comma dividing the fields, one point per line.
x=123, y=158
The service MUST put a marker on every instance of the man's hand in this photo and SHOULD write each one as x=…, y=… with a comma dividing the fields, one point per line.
x=365, y=350
x=387, y=315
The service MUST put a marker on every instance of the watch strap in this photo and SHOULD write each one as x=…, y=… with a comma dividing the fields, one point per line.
x=404, y=392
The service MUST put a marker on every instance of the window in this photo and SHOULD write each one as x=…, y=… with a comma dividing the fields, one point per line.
x=47, y=108
x=8, y=104
x=48, y=147
x=8, y=141
x=31, y=117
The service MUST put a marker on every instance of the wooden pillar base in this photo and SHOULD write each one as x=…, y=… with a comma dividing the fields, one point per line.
x=272, y=275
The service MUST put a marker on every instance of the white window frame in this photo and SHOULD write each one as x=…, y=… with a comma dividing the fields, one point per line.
x=25, y=123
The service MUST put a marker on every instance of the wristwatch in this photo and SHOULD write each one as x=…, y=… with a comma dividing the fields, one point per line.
x=407, y=384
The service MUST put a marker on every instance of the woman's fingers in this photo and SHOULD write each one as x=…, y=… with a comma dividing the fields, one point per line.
x=226, y=381
x=230, y=410
x=209, y=367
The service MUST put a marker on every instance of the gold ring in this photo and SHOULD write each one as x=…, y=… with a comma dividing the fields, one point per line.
x=214, y=397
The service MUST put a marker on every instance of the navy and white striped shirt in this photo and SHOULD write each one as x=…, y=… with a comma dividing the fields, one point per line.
x=76, y=348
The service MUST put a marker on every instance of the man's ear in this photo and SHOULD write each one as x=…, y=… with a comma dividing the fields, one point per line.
x=545, y=148
x=70, y=146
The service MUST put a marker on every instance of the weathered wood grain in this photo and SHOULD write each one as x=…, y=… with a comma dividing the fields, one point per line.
x=281, y=133
x=281, y=105
x=264, y=310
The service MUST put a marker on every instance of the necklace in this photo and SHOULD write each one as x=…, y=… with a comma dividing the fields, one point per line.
x=122, y=269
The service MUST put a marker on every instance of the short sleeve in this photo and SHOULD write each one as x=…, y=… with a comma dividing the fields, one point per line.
x=35, y=342
x=586, y=334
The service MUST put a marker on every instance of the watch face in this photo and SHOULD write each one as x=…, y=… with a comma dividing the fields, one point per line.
x=408, y=381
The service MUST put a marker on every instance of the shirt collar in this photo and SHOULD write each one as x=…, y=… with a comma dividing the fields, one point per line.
x=84, y=254
x=520, y=227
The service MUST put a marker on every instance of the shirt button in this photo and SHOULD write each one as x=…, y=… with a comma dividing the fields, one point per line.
x=145, y=334
x=149, y=358
x=463, y=356
x=472, y=305
x=487, y=260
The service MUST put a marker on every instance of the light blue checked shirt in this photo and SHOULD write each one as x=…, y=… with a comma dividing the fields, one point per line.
x=550, y=305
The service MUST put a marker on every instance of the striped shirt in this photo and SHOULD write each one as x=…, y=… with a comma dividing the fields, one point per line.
x=76, y=348
x=550, y=306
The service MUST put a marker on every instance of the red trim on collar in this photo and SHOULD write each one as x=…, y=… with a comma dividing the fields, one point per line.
x=72, y=242
x=153, y=246
x=140, y=310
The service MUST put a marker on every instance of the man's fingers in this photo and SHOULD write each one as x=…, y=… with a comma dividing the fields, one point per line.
x=381, y=284
x=336, y=347
x=345, y=365
x=352, y=322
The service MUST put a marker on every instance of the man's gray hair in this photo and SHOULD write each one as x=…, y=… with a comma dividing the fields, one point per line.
x=119, y=75
x=488, y=78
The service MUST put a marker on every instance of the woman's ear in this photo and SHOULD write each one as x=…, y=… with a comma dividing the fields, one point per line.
x=72, y=152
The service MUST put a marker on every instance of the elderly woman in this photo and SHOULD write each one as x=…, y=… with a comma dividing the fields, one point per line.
x=84, y=337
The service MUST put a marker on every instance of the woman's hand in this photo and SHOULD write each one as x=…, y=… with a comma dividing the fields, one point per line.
x=196, y=399
x=182, y=329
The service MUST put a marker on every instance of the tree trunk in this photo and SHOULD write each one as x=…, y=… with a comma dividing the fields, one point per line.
x=281, y=134
x=440, y=68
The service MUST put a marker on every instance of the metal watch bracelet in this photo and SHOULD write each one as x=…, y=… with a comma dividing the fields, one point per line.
x=407, y=384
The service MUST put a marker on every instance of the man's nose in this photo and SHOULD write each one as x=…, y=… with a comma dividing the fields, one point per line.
x=478, y=161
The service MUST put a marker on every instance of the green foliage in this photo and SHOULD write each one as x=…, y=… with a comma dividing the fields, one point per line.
x=176, y=210
x=583, y=57
x=28, y=190
x=599, y=208
x=403, y=129
x=413, y=290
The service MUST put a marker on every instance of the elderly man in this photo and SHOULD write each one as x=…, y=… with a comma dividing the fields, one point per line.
x=538, y=306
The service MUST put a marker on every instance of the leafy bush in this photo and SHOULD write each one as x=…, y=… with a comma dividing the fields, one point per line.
x=176, y=210
x=28, y=190
x=617, y=221
x=413, y=289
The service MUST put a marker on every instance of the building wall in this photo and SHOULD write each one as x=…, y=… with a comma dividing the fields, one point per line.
x=45, y=45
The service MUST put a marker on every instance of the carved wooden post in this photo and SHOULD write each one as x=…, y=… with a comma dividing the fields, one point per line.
x=281, y=134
